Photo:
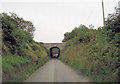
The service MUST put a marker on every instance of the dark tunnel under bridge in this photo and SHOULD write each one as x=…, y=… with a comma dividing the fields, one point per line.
x=56, y=46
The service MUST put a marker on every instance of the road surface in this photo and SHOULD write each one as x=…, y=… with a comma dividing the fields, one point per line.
x=56, y=71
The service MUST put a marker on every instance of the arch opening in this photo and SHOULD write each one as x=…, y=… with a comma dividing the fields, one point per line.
x=54, y=52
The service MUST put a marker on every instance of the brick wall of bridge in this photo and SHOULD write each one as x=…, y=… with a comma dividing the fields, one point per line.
x=49, y=45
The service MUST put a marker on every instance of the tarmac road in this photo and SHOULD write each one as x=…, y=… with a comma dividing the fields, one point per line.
x=56, y=71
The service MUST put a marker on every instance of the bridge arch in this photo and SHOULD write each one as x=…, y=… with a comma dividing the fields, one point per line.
x=52, y=54
x=59, y=45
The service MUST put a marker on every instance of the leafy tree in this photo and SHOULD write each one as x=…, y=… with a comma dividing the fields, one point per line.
x=20, y=23
x=15, y=37
x=113, y=28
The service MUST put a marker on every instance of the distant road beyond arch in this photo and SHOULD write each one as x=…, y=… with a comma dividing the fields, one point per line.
x=51, y=52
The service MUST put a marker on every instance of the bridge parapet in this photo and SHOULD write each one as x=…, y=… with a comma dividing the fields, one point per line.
x=59, y=45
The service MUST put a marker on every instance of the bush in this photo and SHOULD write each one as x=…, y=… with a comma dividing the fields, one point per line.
x=95, y=52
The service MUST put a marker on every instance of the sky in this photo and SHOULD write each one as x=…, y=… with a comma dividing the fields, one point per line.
x=53, y=18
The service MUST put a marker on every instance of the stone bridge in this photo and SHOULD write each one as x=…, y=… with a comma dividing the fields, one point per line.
x=49, y=45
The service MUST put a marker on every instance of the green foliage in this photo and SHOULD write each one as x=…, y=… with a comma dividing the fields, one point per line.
x=95, y=52
x=9, y=61
x=14, y=36
x=74, y=33
x=55, y=50
x=20, y=22
x=21, y=56
x=113, y=28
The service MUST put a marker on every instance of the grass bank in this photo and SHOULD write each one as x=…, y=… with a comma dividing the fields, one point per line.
x=95, y=52
x=21, y=55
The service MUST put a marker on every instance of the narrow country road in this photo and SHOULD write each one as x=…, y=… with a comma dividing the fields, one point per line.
x=56, y=71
